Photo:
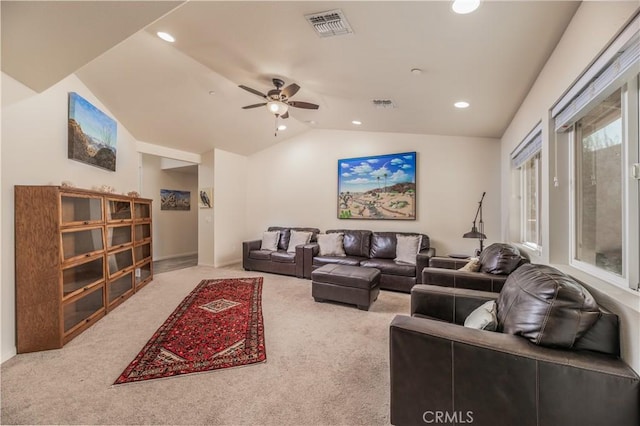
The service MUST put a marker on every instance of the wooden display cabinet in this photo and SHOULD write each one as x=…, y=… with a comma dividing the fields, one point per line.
x=142, y=243
x=75, y=262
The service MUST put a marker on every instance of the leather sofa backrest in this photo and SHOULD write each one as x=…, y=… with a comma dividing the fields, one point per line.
x=546, y=306
x=603, y=336
x=383, y=244
x=285, y=235
x=356, y=242
x=501, y=259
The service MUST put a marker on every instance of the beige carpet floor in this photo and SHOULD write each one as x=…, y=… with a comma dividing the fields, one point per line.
x=327, y=364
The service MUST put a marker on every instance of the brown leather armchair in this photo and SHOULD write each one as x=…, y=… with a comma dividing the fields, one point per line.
x=497, y=261
x=441, y=370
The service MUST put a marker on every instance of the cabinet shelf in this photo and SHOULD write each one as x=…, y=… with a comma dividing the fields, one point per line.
x=75, y=260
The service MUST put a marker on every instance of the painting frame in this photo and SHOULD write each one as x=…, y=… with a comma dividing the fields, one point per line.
x=175, y=200
x=205, y=198
x=92, y=135
x=378, y=187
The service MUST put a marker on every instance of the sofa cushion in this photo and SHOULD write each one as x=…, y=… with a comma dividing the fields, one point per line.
x=545, y=306
x=407, y=247
x=298, y=238
x=270, y=240
x=390, y=267
x=356, y=242
x=260, y=254
x=483, y=317
x=500, y=258
x=331, y=244
x=283, y=257
x=338, y=260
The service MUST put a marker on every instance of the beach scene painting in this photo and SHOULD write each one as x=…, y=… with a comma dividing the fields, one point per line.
x=377, y=187
x=92, y=134
x=171, y=199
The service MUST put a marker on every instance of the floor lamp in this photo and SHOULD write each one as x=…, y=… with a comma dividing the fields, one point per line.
x=477, y=232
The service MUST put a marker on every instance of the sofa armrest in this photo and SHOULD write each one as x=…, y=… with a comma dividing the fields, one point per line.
x=247, y=246
x=446, y=303
x=462, y=279
x=422, y=261
x=308, y=252
x=494, y=378
x=447, y=262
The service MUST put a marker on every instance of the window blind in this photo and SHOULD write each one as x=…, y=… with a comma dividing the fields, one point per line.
x=530, y=145
x=617, y=63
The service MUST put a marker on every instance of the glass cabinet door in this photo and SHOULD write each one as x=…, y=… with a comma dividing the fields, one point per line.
x=142, y=232
x=142, y=253
x=120, y=287
x=77, y=209
x=81, y=242
x=81, y=309
x=143, y=272
x=118, y=236
x=118, y=210
x=142, y=211
x=82, y=277
x=120, y=261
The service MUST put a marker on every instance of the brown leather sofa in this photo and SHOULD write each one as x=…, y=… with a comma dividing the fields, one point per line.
x=280, y=261
x=374, y=250
x=443, y=370
x=497, y=261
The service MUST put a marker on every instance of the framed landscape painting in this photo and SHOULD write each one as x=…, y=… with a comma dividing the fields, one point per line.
x=175, y=200
x=91, y=134
x=377, y=187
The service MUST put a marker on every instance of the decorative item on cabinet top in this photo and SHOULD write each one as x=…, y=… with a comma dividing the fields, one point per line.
x=79, y=254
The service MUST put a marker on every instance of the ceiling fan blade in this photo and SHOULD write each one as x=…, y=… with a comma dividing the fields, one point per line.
x=285, y=115
x=254, y=105
x=290, y=90
x=254, y=91
x=305, y=105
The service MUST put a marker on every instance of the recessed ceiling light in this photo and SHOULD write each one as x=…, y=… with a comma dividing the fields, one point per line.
x=310, y=122
x=416, y=71
x=461, y=104
x=166, y=36
x=282, y=127
x=212, y=92
x=356, y=122
x=465, y=6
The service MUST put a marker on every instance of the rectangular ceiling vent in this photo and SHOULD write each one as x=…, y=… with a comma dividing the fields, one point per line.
x=384, y=103
x=330, y=23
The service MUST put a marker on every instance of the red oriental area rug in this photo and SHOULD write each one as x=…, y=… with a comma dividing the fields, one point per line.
x=219, y=325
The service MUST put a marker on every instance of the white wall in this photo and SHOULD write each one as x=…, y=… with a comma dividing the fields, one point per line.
x=594, y=25
x=206, y=233
x=294, y=183
x=34, y=152
x=229, y=204
x=175, y=233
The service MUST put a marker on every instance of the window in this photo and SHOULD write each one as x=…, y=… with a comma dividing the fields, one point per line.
x=530, y=199
x=600, y=113
x=526, y=163
x=599, y=177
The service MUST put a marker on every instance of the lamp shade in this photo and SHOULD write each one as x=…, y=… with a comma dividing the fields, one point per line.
x=277, y=107
x=474, y=233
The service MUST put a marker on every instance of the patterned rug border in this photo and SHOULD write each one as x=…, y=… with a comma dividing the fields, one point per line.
x=153, y=345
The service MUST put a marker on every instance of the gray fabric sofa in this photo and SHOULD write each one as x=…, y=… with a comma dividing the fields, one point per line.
x=279, y=261
x=440, y=368
x=374, y=250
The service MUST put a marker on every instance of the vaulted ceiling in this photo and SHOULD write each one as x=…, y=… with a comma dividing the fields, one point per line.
x=185, y=94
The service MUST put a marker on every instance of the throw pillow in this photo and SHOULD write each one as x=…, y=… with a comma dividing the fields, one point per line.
x=407, y=247
x=483, y=317
x=472, y=266
x=331, y=244
x=547, y=307
x=298, y=238
x=270, y=240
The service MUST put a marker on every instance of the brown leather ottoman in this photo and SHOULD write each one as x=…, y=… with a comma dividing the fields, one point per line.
x=356, y=285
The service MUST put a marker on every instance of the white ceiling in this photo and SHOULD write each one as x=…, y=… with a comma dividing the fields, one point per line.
x=160, y=91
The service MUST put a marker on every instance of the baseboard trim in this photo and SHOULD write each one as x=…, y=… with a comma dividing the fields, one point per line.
x=173, y=256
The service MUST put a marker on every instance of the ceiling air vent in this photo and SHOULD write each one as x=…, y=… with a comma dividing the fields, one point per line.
x=383, y=103
x=330, y=23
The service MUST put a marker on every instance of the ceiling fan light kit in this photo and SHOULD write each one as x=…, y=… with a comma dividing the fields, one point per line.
x=278, y=108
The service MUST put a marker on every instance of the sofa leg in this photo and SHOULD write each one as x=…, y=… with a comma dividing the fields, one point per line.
x=317, y=299
x=363, y=307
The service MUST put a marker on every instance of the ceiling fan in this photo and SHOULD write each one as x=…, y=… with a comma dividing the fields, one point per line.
x=278, y=100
